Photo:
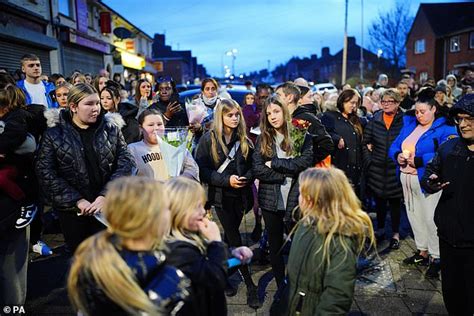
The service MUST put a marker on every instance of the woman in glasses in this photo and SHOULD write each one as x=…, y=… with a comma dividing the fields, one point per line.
x=168, y=103
x=381, y=173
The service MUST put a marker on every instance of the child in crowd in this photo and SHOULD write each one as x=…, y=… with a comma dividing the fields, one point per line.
x=196, y=248
x=120, y=271
x=331, y=233
x=147, y=153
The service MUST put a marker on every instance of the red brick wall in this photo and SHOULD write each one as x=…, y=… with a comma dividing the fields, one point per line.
x=465, y=55
x=424, y=62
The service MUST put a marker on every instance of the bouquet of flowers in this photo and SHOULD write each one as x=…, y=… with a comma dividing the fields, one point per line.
x=298, y=132
x=173, y=143
x=198, y=112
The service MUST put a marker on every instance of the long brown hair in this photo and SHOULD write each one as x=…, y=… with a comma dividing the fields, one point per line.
x=268, y=132
x=135, y=208
x=217, y=131
x=138, y=94
x=11, y=97
x=344, y=97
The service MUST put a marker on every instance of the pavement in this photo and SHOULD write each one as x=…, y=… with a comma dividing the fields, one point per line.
x=384, y=286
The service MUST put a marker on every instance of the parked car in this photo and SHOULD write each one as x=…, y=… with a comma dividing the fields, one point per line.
x=324, y=87
x=237, y=93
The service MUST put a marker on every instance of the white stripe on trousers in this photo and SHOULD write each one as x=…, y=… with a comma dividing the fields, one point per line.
x=420, y=211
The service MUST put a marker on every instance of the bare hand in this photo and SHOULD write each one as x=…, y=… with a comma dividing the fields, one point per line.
x=437, y=184
x=411, y=161
x=195, y=127
x=402, y=161
x=243, y=253
x=172, y=109
x=209, y=230
x=269, y=164
x=370, y=147
x=236, y=183
x=341, y=144
x=96, y=206
x=82, y=205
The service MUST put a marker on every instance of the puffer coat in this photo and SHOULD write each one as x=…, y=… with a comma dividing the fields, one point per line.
x=381, y=171
x=272, y=178
x=60, y=164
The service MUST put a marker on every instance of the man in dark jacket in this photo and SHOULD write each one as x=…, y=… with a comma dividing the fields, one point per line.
x=452, y=170
x=404, y=90
x=381, y=175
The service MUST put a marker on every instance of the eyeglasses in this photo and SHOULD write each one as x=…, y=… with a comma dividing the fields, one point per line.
x=164, y=79
x=468, y=119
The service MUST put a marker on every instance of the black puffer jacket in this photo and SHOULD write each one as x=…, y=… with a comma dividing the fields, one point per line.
x=219, y=183
x=322, y=142
x=348, y=159
x=272, y=178
x=454, y=216
x=381, y=171
x=61, y=167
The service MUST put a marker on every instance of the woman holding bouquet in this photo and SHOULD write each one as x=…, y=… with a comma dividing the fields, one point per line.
x=224, y=158
x=148, y=155
x=277, y=161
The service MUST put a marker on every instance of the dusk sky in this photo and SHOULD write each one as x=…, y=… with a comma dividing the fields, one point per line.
x=260, y=30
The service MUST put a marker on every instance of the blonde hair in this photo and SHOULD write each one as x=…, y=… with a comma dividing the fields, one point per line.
x=331, y=205
x=268, y=132
x=134, y=209
x=222, y=108
x=184, y=194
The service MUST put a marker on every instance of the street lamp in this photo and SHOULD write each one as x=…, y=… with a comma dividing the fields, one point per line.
x=233, y=53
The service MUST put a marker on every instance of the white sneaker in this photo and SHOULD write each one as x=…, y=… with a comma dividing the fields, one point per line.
x=42, y=248
x=26, y=217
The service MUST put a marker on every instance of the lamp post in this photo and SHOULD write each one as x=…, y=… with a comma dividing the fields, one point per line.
x=379, y=54
x=233, y=54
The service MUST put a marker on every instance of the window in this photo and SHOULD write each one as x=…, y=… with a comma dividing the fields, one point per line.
x=65, y=7
x=420, y=46
x=471, y=40
x=90, y=16
x=455, y=44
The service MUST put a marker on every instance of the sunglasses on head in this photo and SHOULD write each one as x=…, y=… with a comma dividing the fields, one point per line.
x=164, y=79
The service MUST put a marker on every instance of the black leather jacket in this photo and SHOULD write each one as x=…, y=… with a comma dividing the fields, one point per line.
x=60, y=164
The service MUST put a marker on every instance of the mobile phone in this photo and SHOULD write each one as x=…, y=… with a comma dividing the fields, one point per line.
x=233, y=262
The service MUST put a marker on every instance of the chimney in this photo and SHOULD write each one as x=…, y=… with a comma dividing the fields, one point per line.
x=159, y=39
x=351, y=41
x=314, y=57
x=325, y=52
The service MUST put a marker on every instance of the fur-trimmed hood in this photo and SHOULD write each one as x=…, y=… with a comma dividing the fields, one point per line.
x=55, y=117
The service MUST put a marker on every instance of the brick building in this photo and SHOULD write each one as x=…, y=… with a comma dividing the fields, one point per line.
x=441, y=40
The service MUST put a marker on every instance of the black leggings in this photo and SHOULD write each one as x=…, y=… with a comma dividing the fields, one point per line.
x=230, y=216
x=381, y=207
x=77, y=228
x=275, y=228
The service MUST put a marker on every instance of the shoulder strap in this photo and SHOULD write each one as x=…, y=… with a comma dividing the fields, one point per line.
x=230, y=157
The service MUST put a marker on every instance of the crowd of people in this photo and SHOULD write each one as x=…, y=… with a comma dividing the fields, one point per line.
x=90, y=150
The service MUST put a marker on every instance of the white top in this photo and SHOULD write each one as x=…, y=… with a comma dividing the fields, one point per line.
x=286, y=186
x=150, y=161
x=37, y=93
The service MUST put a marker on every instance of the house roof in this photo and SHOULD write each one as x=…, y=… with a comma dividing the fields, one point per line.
x=449, y=18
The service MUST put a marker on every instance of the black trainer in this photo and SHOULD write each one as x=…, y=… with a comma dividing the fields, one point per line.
x=26, y=216
x=252, y=297
x=433, y=269
x=394, y=243
x=417, y=259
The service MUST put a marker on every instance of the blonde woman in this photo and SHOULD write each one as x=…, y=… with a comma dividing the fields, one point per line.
x=328, y=238
x=195, y=247
x=120, y=271
x=224, y=159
